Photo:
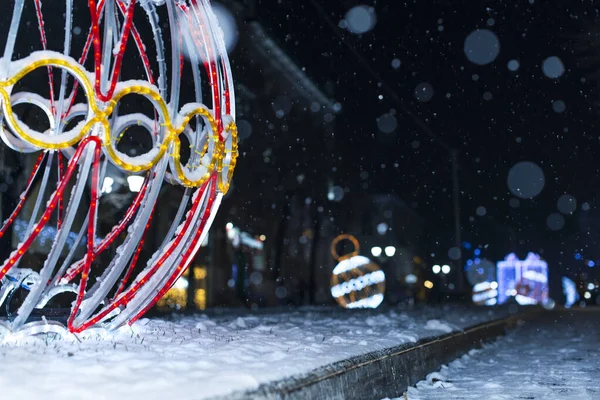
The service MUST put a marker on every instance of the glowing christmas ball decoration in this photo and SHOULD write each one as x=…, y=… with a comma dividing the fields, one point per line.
x=356, y=282
x=485, y=293
x=154, y=72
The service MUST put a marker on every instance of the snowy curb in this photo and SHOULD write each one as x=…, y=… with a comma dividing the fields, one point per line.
x=383, y=373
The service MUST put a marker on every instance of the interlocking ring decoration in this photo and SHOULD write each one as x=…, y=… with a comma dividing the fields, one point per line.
x=161, y=52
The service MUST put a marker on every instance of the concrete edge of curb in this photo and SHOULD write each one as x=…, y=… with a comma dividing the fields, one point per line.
x=361, y=377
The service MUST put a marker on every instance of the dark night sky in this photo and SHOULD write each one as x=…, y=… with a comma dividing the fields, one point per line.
x=517, y=124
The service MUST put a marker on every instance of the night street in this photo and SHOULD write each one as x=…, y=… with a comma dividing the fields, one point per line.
x=555, y=358
x=317, y=199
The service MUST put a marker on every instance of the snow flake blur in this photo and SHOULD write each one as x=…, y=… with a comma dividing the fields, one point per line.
x=244, y=129
x=482, y=46
x=555, y=222
x=228, y=25
x=359, y=19
x=553, y=67
x=454, y=253
x=526, y=180
x=424, y=92
x=387, y=123
x=559, y=106
x=480, y=270
x=513, y=65
x=566, y=204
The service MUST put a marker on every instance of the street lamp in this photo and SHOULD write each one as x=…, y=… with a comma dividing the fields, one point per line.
x=107, y=185
x=135, y=183
x=390, y=251
x=376, y=251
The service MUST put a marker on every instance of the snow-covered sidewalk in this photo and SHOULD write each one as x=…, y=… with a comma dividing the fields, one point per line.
x=199, y=357
x=555, y=361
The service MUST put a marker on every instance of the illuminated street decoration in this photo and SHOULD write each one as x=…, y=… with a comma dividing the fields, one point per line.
x=177, y=296
x=485, y=293
x=356, y=282
x=525, y=280
x=238, y=238
x=86, y=125
x=570, y=291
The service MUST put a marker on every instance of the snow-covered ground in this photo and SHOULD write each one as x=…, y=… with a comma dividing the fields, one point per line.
x=555, y=361
x=199, y=357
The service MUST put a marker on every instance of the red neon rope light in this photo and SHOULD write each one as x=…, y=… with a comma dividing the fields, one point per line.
x=133, y=263
x=98, y=52
x=40, y=18
x=112, y=235
x=17, y=209
x=88, y=44
x=51, y=205
x=61, y=172
x=90, y=255
x=184, y=262
x=126, y=296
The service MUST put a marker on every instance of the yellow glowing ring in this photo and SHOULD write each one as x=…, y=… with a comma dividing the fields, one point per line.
x=338, y=239
x=189, y=133
x=122, y=125
x=12, y=140
x=110, y=148
x=79, y=74
x=222, y=157
x=215, y=146
x=229, y=157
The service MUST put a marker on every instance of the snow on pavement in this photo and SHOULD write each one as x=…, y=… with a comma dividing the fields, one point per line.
x=201, y=356
x=559, y=359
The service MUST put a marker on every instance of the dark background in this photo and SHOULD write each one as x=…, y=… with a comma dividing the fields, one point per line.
x=517, y=124
x=312, y=98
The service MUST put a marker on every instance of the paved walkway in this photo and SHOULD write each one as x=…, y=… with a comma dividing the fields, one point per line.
x=558, y=358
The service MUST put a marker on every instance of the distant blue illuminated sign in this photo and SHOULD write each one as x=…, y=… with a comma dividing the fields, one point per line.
x=570, y=292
